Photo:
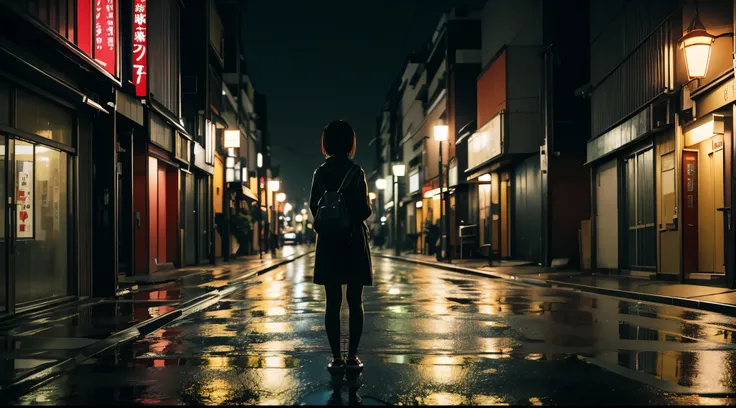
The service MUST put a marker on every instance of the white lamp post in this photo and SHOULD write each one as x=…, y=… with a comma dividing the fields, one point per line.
x=399, y=170
x=441, y=132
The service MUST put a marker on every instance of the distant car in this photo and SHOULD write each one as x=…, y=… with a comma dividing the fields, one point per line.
x=289, y=238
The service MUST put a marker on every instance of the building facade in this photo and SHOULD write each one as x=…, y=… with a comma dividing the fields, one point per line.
x=661, y=152
x=527, y=152
x=57, y=108
x=110, y=113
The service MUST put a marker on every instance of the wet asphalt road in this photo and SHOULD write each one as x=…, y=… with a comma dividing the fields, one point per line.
x=431, y=337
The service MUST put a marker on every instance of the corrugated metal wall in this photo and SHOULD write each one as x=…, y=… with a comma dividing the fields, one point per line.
x=163, y=52
x=632, y=49
x=526, y=233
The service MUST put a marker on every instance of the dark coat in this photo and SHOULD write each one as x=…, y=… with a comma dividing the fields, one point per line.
x=345, y=261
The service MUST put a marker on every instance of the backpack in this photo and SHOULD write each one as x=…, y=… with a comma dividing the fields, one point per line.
x=333, y=219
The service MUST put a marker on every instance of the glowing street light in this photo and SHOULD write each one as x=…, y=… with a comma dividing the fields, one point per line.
x=441, y=132
x=304, y=211
x=381, y=184
x=281, y=197
x=372, y=195
x=274, y=185
x=287, y=207
x=259, y=160
x=399, y=169
x=299, y=218
x=697, y=44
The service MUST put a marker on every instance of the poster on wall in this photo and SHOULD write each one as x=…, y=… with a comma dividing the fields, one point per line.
x=24, y=199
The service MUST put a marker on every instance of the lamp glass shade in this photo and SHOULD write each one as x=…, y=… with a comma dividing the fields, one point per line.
x=229, y=175
x=419, y=204
x=299, y=218
x=274, y=185
x=281, y=197
x=259, y=160
x=230, y=162
x=399, y=170
x=381, y=184
x=696, y=45
x=372, y=195
x=441, y=132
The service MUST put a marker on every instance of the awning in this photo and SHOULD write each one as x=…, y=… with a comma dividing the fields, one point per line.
x=249, y=194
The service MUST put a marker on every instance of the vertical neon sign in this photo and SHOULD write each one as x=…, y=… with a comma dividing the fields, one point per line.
x=105, y=34
x=140, y=48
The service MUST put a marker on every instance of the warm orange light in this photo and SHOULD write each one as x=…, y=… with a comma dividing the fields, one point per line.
x=696, y=43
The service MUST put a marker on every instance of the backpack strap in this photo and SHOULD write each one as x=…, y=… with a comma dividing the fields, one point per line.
x=347, y=178
x=320, y=184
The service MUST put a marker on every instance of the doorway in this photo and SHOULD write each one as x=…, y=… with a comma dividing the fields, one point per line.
x=640, y=213
x=606, y=215
x=35, y=215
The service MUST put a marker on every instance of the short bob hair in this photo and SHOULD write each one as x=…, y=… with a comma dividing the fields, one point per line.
x=338, y=138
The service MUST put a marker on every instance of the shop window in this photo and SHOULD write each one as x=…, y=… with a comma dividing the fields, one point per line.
x=44, y=118
x=42, y=248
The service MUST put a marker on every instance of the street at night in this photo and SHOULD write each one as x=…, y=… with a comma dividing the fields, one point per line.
x=432, y=337
x=394, y=202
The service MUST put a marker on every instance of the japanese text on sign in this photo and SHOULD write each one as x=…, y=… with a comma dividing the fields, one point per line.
x=140, y=45
x=105, y=47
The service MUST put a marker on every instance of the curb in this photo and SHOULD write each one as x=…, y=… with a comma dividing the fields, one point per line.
x=36, y=379
x=723, y=308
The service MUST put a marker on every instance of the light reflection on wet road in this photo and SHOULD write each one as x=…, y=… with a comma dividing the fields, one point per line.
x=431, y=337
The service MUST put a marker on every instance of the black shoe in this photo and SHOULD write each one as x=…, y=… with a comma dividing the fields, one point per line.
x=354, y=364
x=336, y=365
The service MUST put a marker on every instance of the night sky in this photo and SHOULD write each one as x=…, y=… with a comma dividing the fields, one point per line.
x=317, y=61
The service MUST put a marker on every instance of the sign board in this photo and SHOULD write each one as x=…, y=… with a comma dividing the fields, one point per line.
x=104, y=34
x=452, y=177
x=485, y=143
x=627, y=132
x=231, y=139
x=414, y=183
x=140, y=47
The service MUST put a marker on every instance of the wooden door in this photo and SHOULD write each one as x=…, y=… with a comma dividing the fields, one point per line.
x=690, y=211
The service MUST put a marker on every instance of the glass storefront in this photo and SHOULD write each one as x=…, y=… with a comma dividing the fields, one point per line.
x=41, y=255
x=36, y=206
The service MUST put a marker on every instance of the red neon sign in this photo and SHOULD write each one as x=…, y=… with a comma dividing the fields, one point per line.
x=105, y=28
x=140, y=48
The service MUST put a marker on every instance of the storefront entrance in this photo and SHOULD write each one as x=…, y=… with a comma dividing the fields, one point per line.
x=704, y=200
x=34, y=182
